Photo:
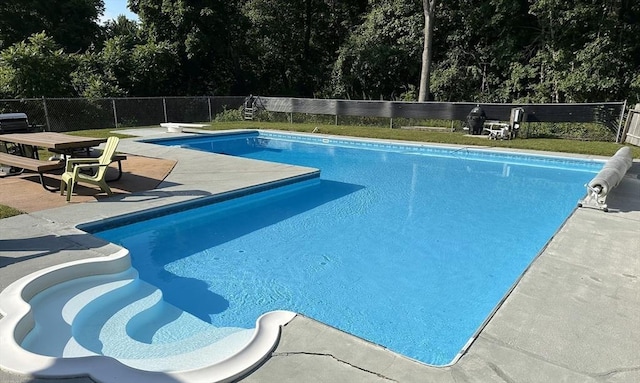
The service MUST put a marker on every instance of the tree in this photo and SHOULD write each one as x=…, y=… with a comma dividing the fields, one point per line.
x=380, y=59
x=207, y=37
x=90, y=81
x=428, y=7
x=121, y=26
x=71, y=23
x=127, y=65
x=293, y=43
x=586, y=51
x=123, y=68
x=480, y=49
x=153, y=67
x=35, y=68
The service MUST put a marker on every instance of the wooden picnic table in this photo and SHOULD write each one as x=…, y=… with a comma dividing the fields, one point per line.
x=56, y=142
x=27, y=145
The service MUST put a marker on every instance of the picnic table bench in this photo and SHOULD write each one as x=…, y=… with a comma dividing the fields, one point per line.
x=32, y=164
x=55, y=142
x=41, y=167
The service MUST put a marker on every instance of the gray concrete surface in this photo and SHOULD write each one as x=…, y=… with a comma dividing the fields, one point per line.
x=573, y=317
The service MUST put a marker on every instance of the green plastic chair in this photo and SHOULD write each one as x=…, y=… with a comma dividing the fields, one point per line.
x=72, y=174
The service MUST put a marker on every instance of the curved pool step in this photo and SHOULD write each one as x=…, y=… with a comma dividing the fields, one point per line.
x=55, y=308
x=130, y=324
x=37, y=330
x=123, y=317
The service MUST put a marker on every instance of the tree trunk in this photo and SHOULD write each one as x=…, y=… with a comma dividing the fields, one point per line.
x=425, y=74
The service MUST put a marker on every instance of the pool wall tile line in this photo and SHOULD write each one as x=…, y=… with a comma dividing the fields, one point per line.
x=18, y=321
x=479, y=153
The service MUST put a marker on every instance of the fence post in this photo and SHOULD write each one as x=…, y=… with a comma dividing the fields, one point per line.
x=209, y=102
x=336, y=119
x=115, y=112
x=46, y=113
x=618, y=135
x=164, y=107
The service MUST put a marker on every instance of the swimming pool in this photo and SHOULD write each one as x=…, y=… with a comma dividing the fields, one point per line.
x=410, y=247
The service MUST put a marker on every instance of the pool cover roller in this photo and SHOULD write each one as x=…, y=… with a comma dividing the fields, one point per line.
x=608, y=178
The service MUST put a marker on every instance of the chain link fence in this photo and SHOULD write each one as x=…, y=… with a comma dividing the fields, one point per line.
x=588, y=121
x=585, y=121
x=69, y=114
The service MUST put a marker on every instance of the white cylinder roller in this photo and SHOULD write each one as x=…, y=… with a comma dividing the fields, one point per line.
x=608, y=178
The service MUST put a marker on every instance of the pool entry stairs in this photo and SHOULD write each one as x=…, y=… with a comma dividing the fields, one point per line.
x=95, y=317
x=121, y=316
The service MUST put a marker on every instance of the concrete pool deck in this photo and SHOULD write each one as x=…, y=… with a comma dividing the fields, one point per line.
x=573, y=317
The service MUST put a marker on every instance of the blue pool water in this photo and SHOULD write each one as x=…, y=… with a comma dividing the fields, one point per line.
x=408, y=247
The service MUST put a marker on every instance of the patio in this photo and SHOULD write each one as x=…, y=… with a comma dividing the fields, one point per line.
x=573, y=316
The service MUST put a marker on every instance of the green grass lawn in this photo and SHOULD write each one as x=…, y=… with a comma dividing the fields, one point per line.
x=7, y=211
x=598, y=148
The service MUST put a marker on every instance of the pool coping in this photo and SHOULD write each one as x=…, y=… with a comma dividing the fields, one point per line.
x=303, y=324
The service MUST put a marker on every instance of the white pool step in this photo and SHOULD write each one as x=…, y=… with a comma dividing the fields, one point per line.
x=101, y=315
x=37, y=329
x=55, y=308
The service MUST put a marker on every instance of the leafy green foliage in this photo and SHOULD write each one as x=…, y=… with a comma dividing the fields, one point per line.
x=483, y=51
x=585, y=50
x=206, y=37
x=381, y=58
x=475, y=59
x=292, y=43
x=127, y=65
x=229, y=115
x=71, y=23
x=34, y=68
x=121, y=26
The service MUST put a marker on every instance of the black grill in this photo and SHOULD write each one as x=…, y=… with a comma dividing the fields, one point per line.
x=14, y=123
x=475, y=120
